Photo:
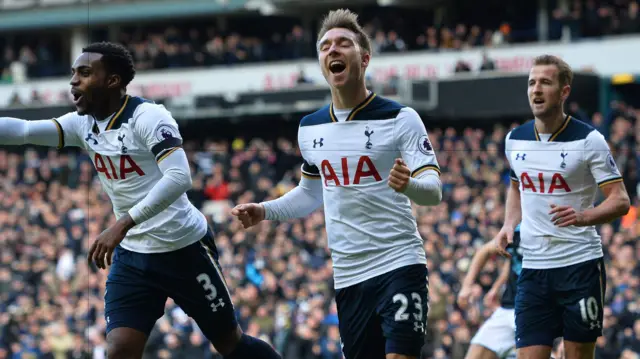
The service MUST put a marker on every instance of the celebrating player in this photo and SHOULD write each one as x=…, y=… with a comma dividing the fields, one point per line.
x=496, y=338
x=557, y=164
x=366, y=157
x=161, y=244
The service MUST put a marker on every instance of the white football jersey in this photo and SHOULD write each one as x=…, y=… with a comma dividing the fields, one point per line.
x=564, y=168
x=370, y=227
x=125, y=150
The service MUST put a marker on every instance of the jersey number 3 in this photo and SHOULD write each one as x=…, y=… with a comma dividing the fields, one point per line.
x=211, y=293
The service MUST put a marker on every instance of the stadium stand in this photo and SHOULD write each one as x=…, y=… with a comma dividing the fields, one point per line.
x=206, y=43
x=52, y=206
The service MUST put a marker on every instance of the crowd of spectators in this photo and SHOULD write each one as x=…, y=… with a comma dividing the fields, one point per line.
x=595, y=18
x=205, y=44
x=52, y=207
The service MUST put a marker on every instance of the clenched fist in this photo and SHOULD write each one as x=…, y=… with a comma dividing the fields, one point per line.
x=399, y=176
x=249, y=214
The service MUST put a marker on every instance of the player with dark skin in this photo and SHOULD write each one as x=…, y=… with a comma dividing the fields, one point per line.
x=98, y=91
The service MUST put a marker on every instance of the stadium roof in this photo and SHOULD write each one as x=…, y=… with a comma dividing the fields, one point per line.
x=103, y=13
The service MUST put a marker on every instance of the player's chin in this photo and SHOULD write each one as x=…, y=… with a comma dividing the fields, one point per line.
x=338, y=82
x=82, y=110
x=339, y=79
x=539, y=110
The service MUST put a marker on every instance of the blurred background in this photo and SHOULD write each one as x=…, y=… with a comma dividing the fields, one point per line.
x=238, y=75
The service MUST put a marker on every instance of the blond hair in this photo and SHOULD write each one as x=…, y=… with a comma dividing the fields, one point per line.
x=343, y=18
x=565, y=74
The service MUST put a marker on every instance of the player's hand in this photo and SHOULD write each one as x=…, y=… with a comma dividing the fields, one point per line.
x=399, y=176
x=502, y=240
x=491, y=298
x=108, y=240
x=249, y=214
x=565, y=216
x=464, y=297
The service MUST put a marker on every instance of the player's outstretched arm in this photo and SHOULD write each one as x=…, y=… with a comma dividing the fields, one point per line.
x=297, y=203
x=15, y=131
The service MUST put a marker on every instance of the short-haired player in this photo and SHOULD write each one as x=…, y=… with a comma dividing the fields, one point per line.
x=160, y=244
x=366, y=158
x=558, y=167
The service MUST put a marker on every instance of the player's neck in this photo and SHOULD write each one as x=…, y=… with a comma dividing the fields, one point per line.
x=550, y=124
x=349, y=97
x=110, y=107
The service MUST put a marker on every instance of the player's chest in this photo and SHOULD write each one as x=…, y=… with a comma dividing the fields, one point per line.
x=549, y=167
x=113, y=142
x=352, y=153
x=117, y=154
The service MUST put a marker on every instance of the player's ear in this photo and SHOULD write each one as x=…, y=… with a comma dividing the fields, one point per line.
x=366, y=57
x=113, y=81
x=566, y=91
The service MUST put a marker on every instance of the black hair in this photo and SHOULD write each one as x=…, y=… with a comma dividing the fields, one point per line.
x=116, y=59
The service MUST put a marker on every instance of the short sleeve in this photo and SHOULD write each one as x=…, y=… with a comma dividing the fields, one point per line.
x=601, y=163
x=414, y=144
x=507, y=152
x=68, y=126
x=157, y=129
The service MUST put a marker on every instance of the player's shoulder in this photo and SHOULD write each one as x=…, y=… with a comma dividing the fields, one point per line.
x=147, y=112
x=71, y=117
x=140, y=106
x=72, y=122
x=571, y=130
x=524, y=132
x=319, y=117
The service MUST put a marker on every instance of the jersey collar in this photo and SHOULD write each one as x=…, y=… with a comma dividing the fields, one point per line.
x=564, y=125
x=114, y=117
x=355, y=110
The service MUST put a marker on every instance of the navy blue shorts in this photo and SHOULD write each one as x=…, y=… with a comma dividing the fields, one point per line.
x=560, y=302
x=139, y=284
x=384, y=314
